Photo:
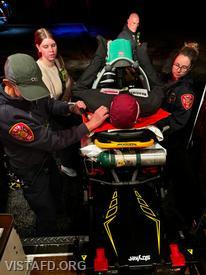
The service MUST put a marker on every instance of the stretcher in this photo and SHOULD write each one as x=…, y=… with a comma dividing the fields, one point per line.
x=124, y=172
x=125, y=188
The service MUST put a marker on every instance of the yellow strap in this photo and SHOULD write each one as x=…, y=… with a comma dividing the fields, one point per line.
x=127, y=144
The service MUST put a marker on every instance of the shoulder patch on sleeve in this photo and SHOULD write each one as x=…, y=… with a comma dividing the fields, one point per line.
x=21, y=131
x=187, y=101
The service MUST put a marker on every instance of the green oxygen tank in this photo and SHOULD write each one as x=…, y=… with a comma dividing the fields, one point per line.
x=108, y=159
x=144, y=157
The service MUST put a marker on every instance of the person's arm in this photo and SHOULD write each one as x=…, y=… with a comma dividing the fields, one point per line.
x=180, y=116
x=62, y=108
x=97, y=118
x=26, y=131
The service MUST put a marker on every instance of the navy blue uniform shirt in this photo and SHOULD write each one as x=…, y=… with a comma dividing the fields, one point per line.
x=25, y=132
x=178, y=101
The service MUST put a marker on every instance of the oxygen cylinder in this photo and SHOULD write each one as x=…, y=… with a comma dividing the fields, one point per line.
x=144, y=158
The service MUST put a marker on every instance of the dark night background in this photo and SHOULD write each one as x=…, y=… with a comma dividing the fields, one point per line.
x=156, y=16
x=165, y=25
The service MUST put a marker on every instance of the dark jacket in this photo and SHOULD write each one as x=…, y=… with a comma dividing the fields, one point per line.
x=127, y=34
x=178, y=101
x=93, y=98
x=25, y=132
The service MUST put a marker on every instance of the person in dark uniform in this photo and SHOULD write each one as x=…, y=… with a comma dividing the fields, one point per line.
x=179, y=90
x=131, y=32
x=179, y=177
x=25, y=110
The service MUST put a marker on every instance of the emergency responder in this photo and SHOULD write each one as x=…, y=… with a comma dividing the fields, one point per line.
x=179, y=177
x=178, y=83
x=25, y=109
x=131, y=32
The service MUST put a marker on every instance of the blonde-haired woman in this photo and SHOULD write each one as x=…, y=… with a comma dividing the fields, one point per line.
x=58, y=82
x=54, y=73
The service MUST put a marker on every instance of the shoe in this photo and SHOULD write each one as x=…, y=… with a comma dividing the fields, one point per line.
x=68, y=171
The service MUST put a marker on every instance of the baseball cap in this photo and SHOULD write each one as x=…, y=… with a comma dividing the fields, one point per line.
x=23, y=71
x=124, y=111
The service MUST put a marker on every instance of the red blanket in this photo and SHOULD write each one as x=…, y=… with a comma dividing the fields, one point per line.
x=141, y=122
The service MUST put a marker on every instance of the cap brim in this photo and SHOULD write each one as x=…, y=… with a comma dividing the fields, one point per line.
x=33, y=92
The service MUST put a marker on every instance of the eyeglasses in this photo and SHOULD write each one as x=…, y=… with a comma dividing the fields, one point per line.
x=182, y=68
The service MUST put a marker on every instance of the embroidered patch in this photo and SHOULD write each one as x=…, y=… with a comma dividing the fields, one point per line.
x=187, y=101
x=22, y=132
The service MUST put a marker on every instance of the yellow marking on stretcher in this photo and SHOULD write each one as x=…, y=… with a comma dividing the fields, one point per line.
x=126, y=144
x=190, y=250
x=110, y=216
x=150, y=214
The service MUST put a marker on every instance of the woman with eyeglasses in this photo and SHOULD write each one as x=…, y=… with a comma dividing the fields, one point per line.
x=178, y=85
x=179, y=177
